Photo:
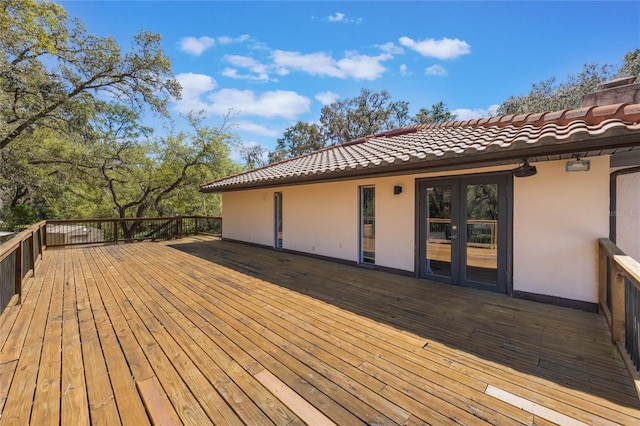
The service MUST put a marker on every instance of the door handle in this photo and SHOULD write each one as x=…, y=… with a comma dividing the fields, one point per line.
x=453, y=236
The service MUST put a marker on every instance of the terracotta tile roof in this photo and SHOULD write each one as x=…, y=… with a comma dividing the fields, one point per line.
x=454, y=144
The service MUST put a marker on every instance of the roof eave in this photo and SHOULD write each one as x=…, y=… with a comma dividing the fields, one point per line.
x=582, y=146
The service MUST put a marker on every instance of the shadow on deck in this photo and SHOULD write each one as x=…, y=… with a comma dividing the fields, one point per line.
x=209, y=331
x=569, y=347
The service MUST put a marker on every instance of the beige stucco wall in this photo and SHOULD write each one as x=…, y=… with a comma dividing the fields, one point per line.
x=321, y=219
x=558, y=217
x=628, y=214
x=248, y=216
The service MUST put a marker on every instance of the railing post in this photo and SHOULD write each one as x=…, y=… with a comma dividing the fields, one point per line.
x=617, y=304
x=115, y=231
x=180, y=227
x=32, y=253
x=602, y=278
x=18, y=272
x=197, y=224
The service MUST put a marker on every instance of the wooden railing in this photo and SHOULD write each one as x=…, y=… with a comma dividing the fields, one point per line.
x=92, y=231
x=619, y=300
x=19, y=258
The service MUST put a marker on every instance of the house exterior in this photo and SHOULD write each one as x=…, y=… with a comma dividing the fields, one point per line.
x=511, y=204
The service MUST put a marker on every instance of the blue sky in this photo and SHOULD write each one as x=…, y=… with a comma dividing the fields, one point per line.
x=274, y=63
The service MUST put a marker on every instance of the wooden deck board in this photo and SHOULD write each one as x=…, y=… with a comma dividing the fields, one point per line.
x=75, y=403
x=146, y=333
x=126, y=395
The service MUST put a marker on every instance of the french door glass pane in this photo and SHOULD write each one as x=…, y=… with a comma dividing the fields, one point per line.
x=368, y=223
x=482, y=233
x=439, y=232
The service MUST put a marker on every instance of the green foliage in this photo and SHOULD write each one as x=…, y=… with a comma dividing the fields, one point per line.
x=553, y=95
x=253, y=156
x=301, y=138
x=14, y=218
x=68, y=154
x=148, y=177
x=630, y=65
x=51, y=70
x=439, y=113
x=364, y=115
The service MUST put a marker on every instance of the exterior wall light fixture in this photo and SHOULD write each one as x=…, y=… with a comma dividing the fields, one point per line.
x=397, y=190
x=525, y=170
x=578, y=165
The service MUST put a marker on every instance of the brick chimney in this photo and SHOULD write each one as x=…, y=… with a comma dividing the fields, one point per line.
x=618, y=91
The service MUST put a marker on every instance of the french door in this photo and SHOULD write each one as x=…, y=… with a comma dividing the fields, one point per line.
x=464, y=230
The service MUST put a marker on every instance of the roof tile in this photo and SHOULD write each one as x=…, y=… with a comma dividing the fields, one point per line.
x=462, y=139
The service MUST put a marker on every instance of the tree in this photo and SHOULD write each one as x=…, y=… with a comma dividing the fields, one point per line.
x=114, y=168
x=630, y=64
x=68, y=153
x=139, y=176
x=552, y=95
x=439, y=113
x=253, y=156
x=299, y=139
x=364, y=115
x=52, y=72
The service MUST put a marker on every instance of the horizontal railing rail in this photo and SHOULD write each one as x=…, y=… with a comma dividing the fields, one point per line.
x=96, y=231
x=619, y=301
x=19, y=258
x=480, y=232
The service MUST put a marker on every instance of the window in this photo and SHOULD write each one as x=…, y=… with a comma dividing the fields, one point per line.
x=367, y=224
x=278, y=220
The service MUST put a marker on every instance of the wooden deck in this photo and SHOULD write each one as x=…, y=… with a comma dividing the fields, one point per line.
x=205, y=331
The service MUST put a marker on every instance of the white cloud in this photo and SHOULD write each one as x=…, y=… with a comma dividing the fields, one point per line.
x=313, y=63
x=257, y=129
x=436, y=70
x=279, y=103
x=247, y=62
x=341, y=17
x=327, y=98
x=338, y=17
x=233, y=73
x=445, y=48
x=469, y=114
x=229, y=40
x=404, y=71
x=196, y=46
x=198, y=95
x=360, y=67
x=193, y=86
x=363, y=67
x=260, y=71
x=391, y=48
